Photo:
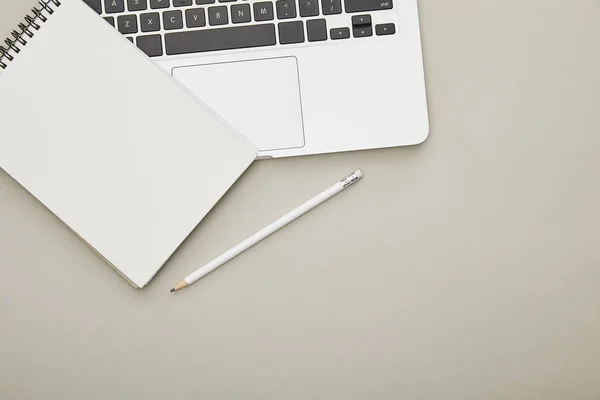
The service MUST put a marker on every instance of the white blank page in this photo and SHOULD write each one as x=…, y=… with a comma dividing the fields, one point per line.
x=110, y=143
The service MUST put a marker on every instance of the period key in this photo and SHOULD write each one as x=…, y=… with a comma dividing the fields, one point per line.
x=309, y=8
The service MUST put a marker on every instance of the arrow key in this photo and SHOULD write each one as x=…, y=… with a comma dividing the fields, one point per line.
x=339, y=33
x=358, y=20
x=363, y=31
x=385, y=29
x=309, y=8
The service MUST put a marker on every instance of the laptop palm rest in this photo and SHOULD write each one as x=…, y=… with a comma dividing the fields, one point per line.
x=239, y=91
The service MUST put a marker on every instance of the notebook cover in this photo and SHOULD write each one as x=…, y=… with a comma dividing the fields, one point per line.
x=110, y=143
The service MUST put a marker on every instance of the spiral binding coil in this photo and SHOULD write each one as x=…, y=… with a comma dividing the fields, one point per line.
x=19, y=37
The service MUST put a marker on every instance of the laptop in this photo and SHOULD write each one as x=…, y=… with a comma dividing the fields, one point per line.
x=296, y=77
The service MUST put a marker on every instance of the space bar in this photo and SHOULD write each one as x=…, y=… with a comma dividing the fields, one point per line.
x=220, y=39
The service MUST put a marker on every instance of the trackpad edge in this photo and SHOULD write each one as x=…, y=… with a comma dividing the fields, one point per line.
x=260, y=98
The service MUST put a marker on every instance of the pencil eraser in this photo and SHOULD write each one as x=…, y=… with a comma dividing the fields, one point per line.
x=359, y=173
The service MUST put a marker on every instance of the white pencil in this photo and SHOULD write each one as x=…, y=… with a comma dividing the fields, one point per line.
x=268, y=230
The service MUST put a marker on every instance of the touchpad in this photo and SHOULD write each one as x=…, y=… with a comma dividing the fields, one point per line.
x=260, y=98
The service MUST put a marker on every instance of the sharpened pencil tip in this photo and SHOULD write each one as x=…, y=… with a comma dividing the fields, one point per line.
x=172, y=290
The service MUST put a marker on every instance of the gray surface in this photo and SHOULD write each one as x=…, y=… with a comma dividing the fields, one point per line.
x=465, y=268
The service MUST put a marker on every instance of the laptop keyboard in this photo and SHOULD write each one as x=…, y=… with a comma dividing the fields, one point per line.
x=171, y=27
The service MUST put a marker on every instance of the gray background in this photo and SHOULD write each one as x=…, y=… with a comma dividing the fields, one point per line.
x=464, y=268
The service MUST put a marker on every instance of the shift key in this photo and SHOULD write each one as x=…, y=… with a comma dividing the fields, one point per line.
x=367, y=5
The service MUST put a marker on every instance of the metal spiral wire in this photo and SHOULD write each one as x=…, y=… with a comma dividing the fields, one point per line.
x=18, y=37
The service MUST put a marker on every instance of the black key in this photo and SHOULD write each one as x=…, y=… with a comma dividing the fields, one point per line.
x=291, y=32
x=199, y=2
x=194, y=17
x=110, y=20
x=154, y=4
x=95, y=5
x=127, y=24
x=220, y=39
x=364, y=19
x=263, y=11
x=339, y=33
x=309, y=8
x=385, y=29
x=151, y=45
x=172, y=20
x=286, y=9
x=316, y=30
x=367, y=5
x=130, y=39
x=226, y=1
x=332, y=7
x=150, y=22
x=137, y=5
x=114, y=6
x=217, y=15
x=182, y=3
x=363, y=31
x=240, y=13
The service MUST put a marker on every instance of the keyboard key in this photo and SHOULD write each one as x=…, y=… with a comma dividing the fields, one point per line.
x=237, y=37
x=339, y=33
x=217, y=15
x=127, y=24
x=155, y=4
x=309, y=8
x=110, y=20
x=130, y=39
x=151, y=45
x=226, y=1
x=364, y=19
x=200, y=2
x=194, y=18
x=363, y=31
x=172, y=20
x=316, y=30
x=286, y=9
x=367, y=5
x=182, y=3
x=332, y=7
x=114, y=6
x=95, y=5
x=150, y=22
x=263, y=11
x=291, y=32
x=385, y=29
x=240, y=13
x=137, y=5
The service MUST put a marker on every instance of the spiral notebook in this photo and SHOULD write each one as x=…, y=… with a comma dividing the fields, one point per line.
x=107, y=141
